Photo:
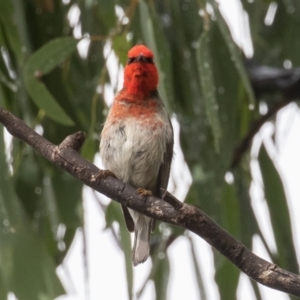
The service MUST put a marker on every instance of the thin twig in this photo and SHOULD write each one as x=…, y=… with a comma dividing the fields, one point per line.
x=244, y=145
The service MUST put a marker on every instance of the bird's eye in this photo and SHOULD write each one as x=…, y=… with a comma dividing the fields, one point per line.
x=130, y=60
x=149, y=60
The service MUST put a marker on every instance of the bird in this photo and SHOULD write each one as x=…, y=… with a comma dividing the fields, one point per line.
x=137, y=142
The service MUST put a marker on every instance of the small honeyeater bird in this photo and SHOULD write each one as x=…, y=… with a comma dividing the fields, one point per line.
x=137, y=142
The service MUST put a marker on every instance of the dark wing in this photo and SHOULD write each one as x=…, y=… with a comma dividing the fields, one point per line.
x=164, y=170
x=128, y=219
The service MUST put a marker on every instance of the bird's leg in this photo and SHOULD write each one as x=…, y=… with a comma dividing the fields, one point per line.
x=143, y=193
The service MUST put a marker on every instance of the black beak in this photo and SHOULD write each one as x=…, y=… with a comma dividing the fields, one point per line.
x=140, y=58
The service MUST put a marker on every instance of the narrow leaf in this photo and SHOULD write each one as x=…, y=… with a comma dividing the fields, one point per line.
x=148, y=32
x=121, y=47
x=114, y=213
x=10, y=85
x=199, y=278
x=107, y=12
x=161, y=278
x=227, y=277
x=3, y=289
x=7, y=18
x=234, y=51
x=231, y=221
x=209, y=87
x=23, y=258
x=231, y=210
x=42, y=62
x=279, y=212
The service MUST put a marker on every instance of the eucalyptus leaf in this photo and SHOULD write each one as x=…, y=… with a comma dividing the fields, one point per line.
x=121, y=47
x=3, y=289
x=42, y=62
x=114, y=213
x=161, y=276
x=227, y=277
x=234, y=51
x=148, y=31
x=209, y=87
x=107, y=12
x=279, y=212
x=23, y=258
x=8, y=21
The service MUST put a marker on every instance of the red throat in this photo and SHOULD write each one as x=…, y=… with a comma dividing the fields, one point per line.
x=140, y=77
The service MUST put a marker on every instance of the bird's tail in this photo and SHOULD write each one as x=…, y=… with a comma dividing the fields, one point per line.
x=141, y=247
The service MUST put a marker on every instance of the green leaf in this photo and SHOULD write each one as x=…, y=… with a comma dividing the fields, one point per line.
x=50, y=55
x=209, y=87
x=150, y=38
x=68, y=197
x=114, y=213
x=90, y=147
x=121, y=47
x=231, y=222
x=106, y=10
x=8, y=21
x=201, y=286
x=234, y=51
x=23, y=258
x=279, y=212
x=231, y=210
x=163, y=58
x=44, y=100
x=227, y=277
x=160, y=275
x=10, y=85
x=3, y=288
x=42, y=62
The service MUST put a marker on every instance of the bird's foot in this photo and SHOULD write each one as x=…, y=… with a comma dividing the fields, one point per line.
x=105, y=173
x=143, y=193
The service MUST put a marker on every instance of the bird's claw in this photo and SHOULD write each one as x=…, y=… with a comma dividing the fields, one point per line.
x=105, y=173
x=143, y=193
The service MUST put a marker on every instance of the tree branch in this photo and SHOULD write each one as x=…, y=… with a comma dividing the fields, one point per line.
x=187, y=216
x=244, y=145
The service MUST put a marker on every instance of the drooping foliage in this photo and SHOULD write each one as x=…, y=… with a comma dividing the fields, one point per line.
x=54, y=74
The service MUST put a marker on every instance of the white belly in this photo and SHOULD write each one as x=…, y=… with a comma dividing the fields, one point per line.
x=134, y=150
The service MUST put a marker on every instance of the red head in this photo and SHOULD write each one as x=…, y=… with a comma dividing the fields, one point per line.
x=140, y=75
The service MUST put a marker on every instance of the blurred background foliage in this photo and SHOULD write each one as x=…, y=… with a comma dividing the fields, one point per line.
x=54, y=75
